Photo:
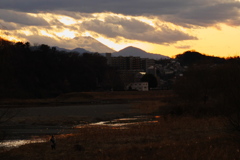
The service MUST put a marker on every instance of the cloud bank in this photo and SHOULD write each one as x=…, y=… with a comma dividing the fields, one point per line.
x=162, y=22
x=195, y=12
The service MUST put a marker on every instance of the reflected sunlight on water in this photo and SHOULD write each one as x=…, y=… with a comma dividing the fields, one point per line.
x=17, y=143
x=121, y=123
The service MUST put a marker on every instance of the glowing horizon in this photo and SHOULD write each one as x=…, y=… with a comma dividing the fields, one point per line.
x=118, y=31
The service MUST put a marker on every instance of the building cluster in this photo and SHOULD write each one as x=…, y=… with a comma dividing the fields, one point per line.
x=132, y=69
x=129, y=63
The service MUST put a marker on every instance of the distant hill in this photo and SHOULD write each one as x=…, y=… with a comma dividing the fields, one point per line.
x=61, y=49
x=189, y=58
x=88, y=45
x=92, y=45
x=136, y=52
x=80, y=50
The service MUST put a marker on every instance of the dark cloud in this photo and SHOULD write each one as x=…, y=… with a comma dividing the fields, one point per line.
x=131, y=7
x=130, y=25
x=14, y=19
x=193, y=12
x=183, y=47
x=207, y=15
x=40, y=39
x=133, y=29
x=9, y=25
x=114, y=26
x=75, y=15
x=21, y=18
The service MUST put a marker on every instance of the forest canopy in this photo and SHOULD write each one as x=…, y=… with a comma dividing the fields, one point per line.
x=41, y=71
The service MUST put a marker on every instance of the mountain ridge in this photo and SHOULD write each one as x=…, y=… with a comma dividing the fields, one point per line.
x=126, y=52
x=137, y=52
x=92, y=45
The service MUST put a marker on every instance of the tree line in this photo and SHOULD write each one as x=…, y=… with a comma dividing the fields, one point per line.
x=42, y=71
x=210, y=86
x=209, y=79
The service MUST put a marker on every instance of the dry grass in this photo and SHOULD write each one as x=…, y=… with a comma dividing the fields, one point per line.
x=91, y=97
x=149, y=107
x=182, y=138
x=170, y=137
x=130, y=95
x=116, y=96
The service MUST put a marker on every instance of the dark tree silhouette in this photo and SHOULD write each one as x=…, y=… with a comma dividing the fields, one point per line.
x=211, y=89
x=189, y=58
x=42, y=71
x=151, y=79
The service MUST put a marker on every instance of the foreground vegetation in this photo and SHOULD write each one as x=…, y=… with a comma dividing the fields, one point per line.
x=170, y=135
x=184, y=138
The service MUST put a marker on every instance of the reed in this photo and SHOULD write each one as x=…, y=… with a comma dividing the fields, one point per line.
x=184, y=138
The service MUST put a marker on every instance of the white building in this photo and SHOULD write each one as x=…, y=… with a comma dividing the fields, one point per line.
x=139, y=86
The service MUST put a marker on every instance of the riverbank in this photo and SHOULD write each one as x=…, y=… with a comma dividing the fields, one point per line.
x=183, y=138
x=169, y=136
x=41, y=117
x=40, y=121
x=35, y=117
x=111, y=97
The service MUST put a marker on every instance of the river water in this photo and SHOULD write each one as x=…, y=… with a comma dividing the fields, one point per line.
x=40, y=121
x=121, y=123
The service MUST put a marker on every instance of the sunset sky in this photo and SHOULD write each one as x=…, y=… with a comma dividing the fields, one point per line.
x=166, y=27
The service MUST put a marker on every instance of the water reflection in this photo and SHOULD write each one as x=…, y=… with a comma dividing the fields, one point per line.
x=17, y=143
x=121, y=123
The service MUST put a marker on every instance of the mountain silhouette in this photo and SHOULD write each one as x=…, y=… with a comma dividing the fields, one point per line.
x=92, y=45
x=80, y=50
x=136, y=52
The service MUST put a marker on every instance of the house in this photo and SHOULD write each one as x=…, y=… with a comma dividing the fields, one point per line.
x=139, y=86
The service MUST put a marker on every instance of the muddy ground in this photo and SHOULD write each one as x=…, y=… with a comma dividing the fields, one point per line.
x=59, y=119
x=34, y=117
